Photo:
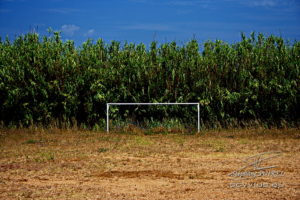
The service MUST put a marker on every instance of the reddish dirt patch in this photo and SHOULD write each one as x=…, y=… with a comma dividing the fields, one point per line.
x=140, y=174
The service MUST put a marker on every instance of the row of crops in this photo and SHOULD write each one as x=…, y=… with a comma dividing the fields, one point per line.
x=44, y=79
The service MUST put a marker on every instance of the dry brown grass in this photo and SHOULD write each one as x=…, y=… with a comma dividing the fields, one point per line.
x=76, y=164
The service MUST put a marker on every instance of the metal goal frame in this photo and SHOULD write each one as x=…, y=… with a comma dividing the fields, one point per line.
x=149, y=104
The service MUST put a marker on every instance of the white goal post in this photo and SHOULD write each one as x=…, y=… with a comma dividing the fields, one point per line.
x=110, y=104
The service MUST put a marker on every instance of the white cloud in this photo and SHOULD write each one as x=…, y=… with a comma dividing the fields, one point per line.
x=259, y=3
x=90, y=32
x=264, y=3
x=283, y=5
x=70, y=29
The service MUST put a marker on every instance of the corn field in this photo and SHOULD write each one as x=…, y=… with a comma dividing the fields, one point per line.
x=43, y=78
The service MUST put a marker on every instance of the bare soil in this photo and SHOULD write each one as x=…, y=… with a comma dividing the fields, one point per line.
x=75, y=164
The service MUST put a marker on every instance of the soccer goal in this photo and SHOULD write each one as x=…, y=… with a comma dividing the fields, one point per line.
x=150, y=104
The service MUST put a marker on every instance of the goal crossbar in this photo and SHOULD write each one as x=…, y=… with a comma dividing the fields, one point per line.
x=109, y=104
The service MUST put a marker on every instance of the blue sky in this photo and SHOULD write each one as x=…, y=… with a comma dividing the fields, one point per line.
x=147, y=20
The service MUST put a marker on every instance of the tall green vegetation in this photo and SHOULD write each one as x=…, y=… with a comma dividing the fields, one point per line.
x=46, y=79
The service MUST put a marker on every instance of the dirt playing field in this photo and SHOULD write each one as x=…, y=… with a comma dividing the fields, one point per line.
x=74, y=164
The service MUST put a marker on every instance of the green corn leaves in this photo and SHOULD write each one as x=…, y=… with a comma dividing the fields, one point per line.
x=44, y=79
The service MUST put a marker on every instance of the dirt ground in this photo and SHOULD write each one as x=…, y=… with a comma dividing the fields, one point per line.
x=74, y=164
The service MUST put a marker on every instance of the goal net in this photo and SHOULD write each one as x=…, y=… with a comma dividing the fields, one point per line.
x=110, y=106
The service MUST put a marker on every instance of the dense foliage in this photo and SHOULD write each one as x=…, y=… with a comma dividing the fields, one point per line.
x=45, y=79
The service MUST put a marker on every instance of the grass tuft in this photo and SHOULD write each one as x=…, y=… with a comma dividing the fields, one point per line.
x=102, y=150
x=31, y=141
